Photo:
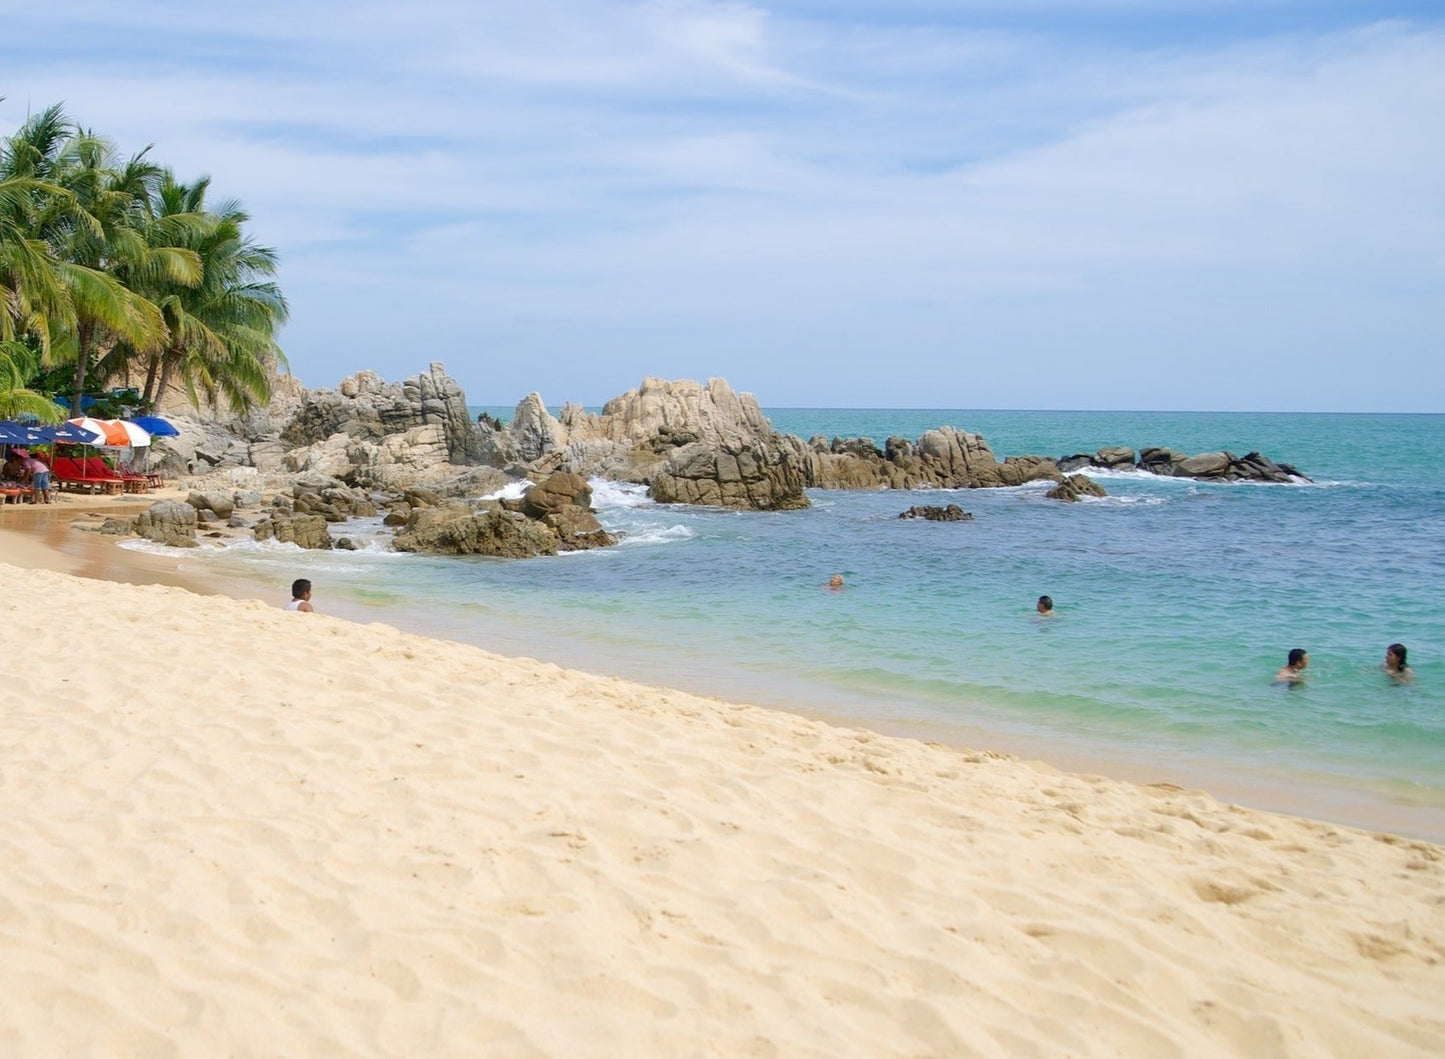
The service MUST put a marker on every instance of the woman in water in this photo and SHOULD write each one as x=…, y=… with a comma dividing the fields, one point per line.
x=1395, y=667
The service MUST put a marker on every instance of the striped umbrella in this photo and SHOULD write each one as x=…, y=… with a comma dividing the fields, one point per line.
x=111, y=433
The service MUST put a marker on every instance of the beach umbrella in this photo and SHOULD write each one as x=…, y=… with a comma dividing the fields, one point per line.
x=67, y=433
x=112, y=434
x=15, y=434
x=155, y=426
x=136, y=437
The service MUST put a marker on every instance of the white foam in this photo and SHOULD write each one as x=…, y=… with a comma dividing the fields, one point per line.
x=510, y=491
x=658, y=535
x=606, y=493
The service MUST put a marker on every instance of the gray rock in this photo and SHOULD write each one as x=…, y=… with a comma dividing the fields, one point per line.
x=364, y=408
x=219, y=503
x=756, y=476
x=168, y=522
x=556, y=492
x=1206, y=465
x=457, y=530
x=1074, y=488
x=949, y=513
x=1114, y=456
x=305, y=531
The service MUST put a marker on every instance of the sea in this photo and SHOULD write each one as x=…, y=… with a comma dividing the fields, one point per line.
x=1176, y=601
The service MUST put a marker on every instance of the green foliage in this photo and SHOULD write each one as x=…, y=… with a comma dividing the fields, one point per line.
x=110, y=268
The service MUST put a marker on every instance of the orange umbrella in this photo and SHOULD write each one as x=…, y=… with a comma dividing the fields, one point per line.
x=111, y=433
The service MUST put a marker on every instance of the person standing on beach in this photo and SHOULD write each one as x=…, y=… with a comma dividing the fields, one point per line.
x=300, y=596
x=1294, y=669
x=1395, y=667
x=39, y=479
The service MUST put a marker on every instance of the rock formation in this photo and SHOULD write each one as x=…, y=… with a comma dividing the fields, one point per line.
x=948, y=513
x=946, y=458
x=1216, y=466
x=304, y=531
x=733, y=474
x=363, y=407
x=1074, y=488
x=168, y=522
x=553, y=516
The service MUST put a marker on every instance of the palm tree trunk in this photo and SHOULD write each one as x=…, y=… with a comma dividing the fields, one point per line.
x=168, y=362
x=82, y=361
x=149, y=394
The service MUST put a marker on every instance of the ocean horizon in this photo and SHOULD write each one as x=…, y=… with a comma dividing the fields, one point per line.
x=1176, y=602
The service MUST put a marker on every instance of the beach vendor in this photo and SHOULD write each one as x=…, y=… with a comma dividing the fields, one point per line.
x=39, y=472
x=300, y=596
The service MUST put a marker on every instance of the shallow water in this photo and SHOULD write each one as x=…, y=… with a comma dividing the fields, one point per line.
x=1176, y=601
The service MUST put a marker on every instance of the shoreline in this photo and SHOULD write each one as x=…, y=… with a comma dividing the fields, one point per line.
x=42, y=537
x=238, y=829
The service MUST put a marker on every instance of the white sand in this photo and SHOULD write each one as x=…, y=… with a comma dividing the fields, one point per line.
x=233, y=831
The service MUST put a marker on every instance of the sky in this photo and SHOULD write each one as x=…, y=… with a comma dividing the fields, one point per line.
x=1099, y=204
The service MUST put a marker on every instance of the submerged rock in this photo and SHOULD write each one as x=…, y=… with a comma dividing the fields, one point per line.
x=1074, y=488
x=950, y=513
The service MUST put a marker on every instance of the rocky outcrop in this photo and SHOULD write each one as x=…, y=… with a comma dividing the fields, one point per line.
x=1074, y=488
x=304, y=531
x=1207, y=466
x=757, y=476
x=396, y=461
x=713, y=414
x=533, y=432
x=552, y=516
x=946, y=458
x=457, y=529
x=365, y=408
x=220, y=505
x=948, y=513
x=168, y=522
x=1114, y=457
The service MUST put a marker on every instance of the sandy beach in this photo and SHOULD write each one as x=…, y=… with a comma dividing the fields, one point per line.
x=231, y=830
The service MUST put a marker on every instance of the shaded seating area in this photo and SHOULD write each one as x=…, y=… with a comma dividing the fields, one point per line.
x=89, y=474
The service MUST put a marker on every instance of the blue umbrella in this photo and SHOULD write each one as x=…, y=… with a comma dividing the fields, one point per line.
x=69, y=433
x=15, y=434
x=155, y=426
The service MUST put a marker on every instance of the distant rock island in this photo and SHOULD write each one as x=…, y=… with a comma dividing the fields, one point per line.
x=411, y=452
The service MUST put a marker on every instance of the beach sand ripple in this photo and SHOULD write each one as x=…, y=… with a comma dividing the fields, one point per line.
x=230, y=830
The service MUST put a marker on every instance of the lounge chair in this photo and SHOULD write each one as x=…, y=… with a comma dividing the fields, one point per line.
x=77, y=474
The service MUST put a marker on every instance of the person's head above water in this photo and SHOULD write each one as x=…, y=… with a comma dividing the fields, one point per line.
x=836, y=581
x=1395, y=657
x=1046, y=605
x=1298, y=658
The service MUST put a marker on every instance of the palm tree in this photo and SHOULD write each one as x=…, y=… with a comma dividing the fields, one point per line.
x=222, y=330
x=30, y=286
x=18, y=363
x=31, y=289
x=102, y=237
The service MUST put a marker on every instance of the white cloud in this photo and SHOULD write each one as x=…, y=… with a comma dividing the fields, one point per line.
x=605, y=190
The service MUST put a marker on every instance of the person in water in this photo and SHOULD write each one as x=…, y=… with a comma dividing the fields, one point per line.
x=1395, y=667
x=300, y=596
x=1045, y=606
x=1294, y=669
x=835, y=583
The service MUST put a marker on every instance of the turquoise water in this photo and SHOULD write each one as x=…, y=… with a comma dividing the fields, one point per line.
x=1176, y=602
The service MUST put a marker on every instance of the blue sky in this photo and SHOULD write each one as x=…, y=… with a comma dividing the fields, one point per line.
x=1006, y=204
